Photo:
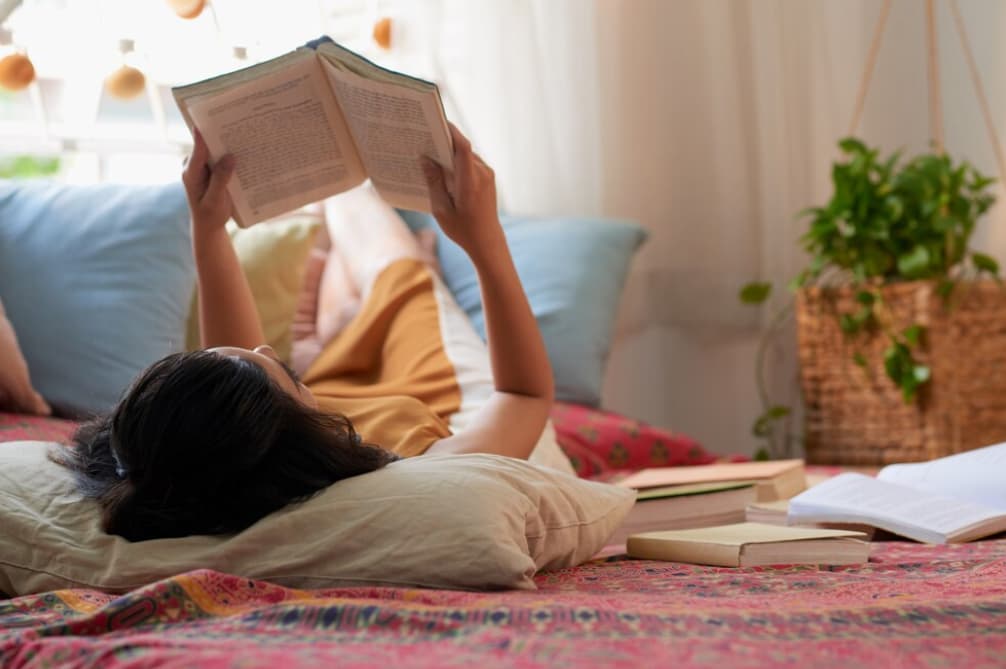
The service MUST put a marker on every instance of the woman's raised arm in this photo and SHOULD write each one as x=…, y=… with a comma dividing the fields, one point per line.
x=227, y=312
x=511, y=422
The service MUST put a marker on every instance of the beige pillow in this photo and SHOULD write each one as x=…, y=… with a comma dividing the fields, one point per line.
x=273, y=256
x=16, y=391
x=443, y=521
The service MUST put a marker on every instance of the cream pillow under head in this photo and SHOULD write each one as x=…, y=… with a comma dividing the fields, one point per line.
x=442, y=521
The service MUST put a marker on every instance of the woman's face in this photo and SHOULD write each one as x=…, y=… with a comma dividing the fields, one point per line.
x=266, y=358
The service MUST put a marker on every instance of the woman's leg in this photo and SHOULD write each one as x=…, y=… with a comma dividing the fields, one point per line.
x=393, y=345
x=368, y=235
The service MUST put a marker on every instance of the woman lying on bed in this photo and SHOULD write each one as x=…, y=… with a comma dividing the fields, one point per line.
x=211, y=441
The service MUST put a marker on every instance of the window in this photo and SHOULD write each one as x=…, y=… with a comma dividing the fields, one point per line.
x=75, y=44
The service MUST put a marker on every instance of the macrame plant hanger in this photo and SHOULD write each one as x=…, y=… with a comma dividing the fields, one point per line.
x=933, y=78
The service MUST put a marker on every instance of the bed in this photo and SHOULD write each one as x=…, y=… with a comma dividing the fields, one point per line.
x=912, y=605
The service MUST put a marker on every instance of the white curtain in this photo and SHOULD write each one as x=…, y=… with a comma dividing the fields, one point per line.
x=712, y=122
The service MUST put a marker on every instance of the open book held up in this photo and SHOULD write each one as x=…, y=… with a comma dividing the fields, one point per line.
x=316, y=122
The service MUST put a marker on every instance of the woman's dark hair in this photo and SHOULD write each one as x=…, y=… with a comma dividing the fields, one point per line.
x=207, y=444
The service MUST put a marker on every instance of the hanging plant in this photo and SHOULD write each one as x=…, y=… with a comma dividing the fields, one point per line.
x=888, y=221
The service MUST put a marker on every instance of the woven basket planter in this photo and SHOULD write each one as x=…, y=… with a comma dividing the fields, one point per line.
x=857, y=416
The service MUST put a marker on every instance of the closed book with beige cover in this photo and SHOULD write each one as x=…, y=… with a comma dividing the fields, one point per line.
x=780, y=479
x=751, y=545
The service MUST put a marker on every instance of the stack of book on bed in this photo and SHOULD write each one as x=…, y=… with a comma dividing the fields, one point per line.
x=675, y=498
x=695, y=514
x=953, y=499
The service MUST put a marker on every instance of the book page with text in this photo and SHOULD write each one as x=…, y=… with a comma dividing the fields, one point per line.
x=186, y=94
x=288, y=137
x=856, y=498
x=977, y=476
x=393, y=127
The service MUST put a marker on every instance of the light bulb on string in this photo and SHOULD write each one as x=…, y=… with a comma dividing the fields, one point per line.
x=187, y=9
x=382, y=32
x=126, y=82
x=16, y=69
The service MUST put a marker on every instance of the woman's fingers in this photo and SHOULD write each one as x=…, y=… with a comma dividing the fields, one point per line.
x=196, y=165
x=440, y=198
x=221, y=174
x=196, y=174
x=461, y=143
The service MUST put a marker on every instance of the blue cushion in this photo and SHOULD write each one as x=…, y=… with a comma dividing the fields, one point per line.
x=97, y=282
x=416, y=220
x=573, y=271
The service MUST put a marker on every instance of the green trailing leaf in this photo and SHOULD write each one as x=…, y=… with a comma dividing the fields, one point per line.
x=894, y=207
x=852, y=145
x=913, y=334
x=848, y=324
x=985, y=263
x=980, y=183
x=895, y=357
x=915, y=263
x=906, y=373
x=762, y=427
x=799, y=281
x=761, y=455
x=908, y=392
x=755, y=292
x=860, y=359
x=945, y=288
x=864, y=316
x=866, y=298
x=778, y=411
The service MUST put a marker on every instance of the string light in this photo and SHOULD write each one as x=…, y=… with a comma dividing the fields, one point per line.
x=126, y=82
x=382, y=32
x=16, y=69
x=187, y=9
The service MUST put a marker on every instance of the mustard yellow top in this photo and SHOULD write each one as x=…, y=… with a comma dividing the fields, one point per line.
x=387, y=371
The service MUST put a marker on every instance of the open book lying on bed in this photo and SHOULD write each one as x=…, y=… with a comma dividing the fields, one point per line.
x=954, y=499
x=316, y=122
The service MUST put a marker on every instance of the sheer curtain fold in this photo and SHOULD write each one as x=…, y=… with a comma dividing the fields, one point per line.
x=712, y=122
x=524, y=75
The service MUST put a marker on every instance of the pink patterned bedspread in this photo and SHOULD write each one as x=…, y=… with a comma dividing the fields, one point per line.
x=912, y=605
x=17, y=427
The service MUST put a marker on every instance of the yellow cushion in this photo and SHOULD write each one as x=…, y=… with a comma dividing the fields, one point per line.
x=273, y=256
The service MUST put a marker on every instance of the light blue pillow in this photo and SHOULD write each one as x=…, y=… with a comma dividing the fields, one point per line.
x=97, y=282
x=573, y=271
